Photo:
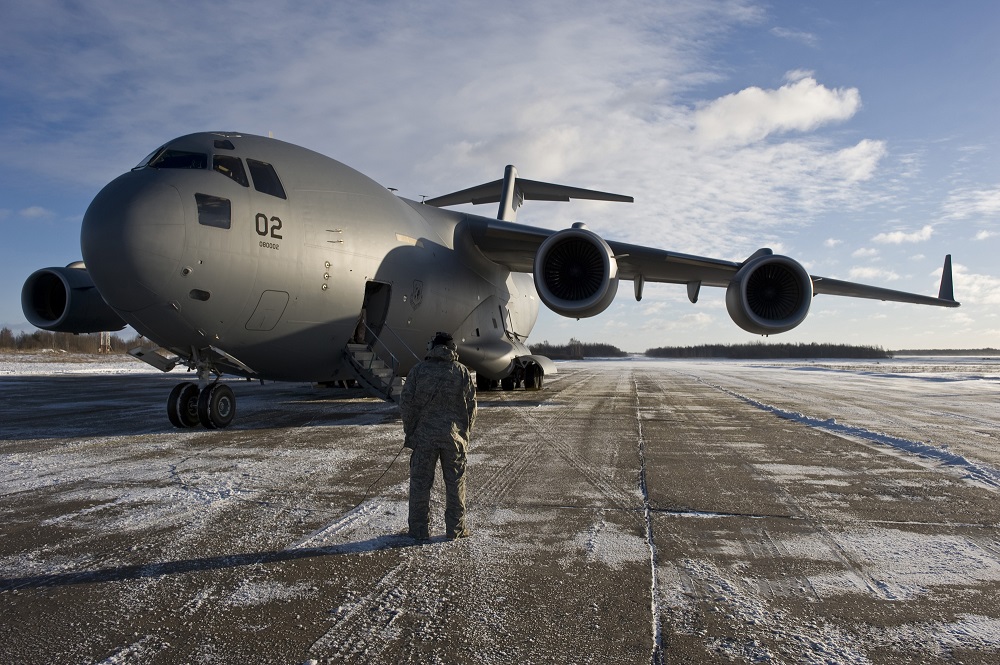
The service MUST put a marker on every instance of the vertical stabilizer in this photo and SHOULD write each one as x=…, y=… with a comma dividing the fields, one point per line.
x=511, y=197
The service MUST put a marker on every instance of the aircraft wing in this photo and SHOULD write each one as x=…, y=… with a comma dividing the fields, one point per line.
x=576, y=272
x=517, y=246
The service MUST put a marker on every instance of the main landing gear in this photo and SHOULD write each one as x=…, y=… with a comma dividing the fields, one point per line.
x=529, y=376
x=214, y=406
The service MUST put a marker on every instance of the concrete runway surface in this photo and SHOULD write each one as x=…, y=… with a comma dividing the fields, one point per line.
x=632, y=512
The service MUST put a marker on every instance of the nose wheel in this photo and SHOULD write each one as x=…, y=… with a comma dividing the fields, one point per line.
x=213, y=407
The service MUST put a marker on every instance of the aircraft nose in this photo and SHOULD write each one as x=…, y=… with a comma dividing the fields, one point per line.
x=133, y=239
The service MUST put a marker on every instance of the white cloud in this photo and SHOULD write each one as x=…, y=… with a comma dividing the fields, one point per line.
x=975, y=289
x=866, y=252
x=753, y=114
x=967, y=203
x=35, y=212
x=858, y=163
x=799, y=74
x=832, y=242
x=899, y=237
x=984, y=234
x=871, y=273
x=806, y=38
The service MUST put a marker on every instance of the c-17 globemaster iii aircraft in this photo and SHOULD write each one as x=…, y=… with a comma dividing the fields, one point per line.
x=250, y=256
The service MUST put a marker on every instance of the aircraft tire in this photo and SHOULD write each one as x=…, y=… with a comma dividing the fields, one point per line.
x=216, y=406
x=507, y=383
x=533, y=377
x=182, y=405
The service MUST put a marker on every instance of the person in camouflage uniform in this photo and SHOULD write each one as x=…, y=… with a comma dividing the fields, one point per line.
x=438, y=408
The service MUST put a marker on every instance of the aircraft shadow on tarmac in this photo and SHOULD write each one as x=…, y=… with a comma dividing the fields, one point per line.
x=150, y=570
x=56, y=407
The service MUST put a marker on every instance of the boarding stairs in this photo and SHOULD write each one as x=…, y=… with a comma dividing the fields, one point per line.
x=372, y=373
x=374, y=365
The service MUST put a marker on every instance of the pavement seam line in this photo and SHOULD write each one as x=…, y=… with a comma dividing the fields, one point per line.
x=656, y=655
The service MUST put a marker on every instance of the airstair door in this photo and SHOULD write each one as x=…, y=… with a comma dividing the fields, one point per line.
x=375, y=309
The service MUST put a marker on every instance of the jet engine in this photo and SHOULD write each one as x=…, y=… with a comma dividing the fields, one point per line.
x=769, y=294
x=66, y=300
x=575, y=272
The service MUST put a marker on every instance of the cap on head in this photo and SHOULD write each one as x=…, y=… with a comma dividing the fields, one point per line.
x=444, y=339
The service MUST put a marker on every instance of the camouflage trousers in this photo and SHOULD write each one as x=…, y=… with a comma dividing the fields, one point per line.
x=423, y=462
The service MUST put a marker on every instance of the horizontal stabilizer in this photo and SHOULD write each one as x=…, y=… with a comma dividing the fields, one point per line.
x=530, y=190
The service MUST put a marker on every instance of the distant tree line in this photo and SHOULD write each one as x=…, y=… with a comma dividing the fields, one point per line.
x=576, y=350
x=762, y=350
x=948, y=352
x=41, y=340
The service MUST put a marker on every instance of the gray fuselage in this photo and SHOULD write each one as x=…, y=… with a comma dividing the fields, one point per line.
x=269, y=253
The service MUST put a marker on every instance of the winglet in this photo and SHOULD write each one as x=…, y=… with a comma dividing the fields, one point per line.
x=947, y=290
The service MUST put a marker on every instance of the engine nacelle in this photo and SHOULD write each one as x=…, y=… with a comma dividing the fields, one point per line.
x=575, y=272
x=66, y=300
x=769, y=295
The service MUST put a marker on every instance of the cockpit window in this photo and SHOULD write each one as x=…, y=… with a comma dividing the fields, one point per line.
x=265, y=179
x=231, y=167
x=179, y=159
x=214, y=211
x=145, y=162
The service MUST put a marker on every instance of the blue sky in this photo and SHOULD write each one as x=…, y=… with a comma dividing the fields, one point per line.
x=860, y=138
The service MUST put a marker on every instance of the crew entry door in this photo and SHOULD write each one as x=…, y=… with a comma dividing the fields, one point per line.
x=374, y=309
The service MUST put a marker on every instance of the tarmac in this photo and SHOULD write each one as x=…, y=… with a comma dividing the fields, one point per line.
x=630, y=512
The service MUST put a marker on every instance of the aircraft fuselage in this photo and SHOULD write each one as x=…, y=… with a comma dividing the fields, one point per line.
x=270, y=252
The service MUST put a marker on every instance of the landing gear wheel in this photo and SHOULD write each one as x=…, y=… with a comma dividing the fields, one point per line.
x=533, y=377
x=484, y=384
x=182, y=405
x=216, y=406
x=507, y=383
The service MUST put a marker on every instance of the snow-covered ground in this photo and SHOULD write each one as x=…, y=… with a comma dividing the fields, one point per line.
x=717, y=511
x=62, y=363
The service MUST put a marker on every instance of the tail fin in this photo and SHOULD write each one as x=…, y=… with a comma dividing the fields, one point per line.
x=511, y=196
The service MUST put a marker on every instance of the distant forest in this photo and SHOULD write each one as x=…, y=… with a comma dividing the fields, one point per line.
x=577, y=350
x=948, y=352
x=762, y=350
x=41, y=340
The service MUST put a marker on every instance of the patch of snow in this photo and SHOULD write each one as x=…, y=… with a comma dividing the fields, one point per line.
x=607, y=543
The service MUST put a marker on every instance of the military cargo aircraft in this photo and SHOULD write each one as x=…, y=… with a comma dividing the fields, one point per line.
x=249, y=256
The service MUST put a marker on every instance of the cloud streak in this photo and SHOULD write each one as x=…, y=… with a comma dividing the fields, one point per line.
x=900, y=237
x=429, y=101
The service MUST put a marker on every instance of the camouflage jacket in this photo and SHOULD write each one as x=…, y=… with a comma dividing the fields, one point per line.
x=438, y=402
